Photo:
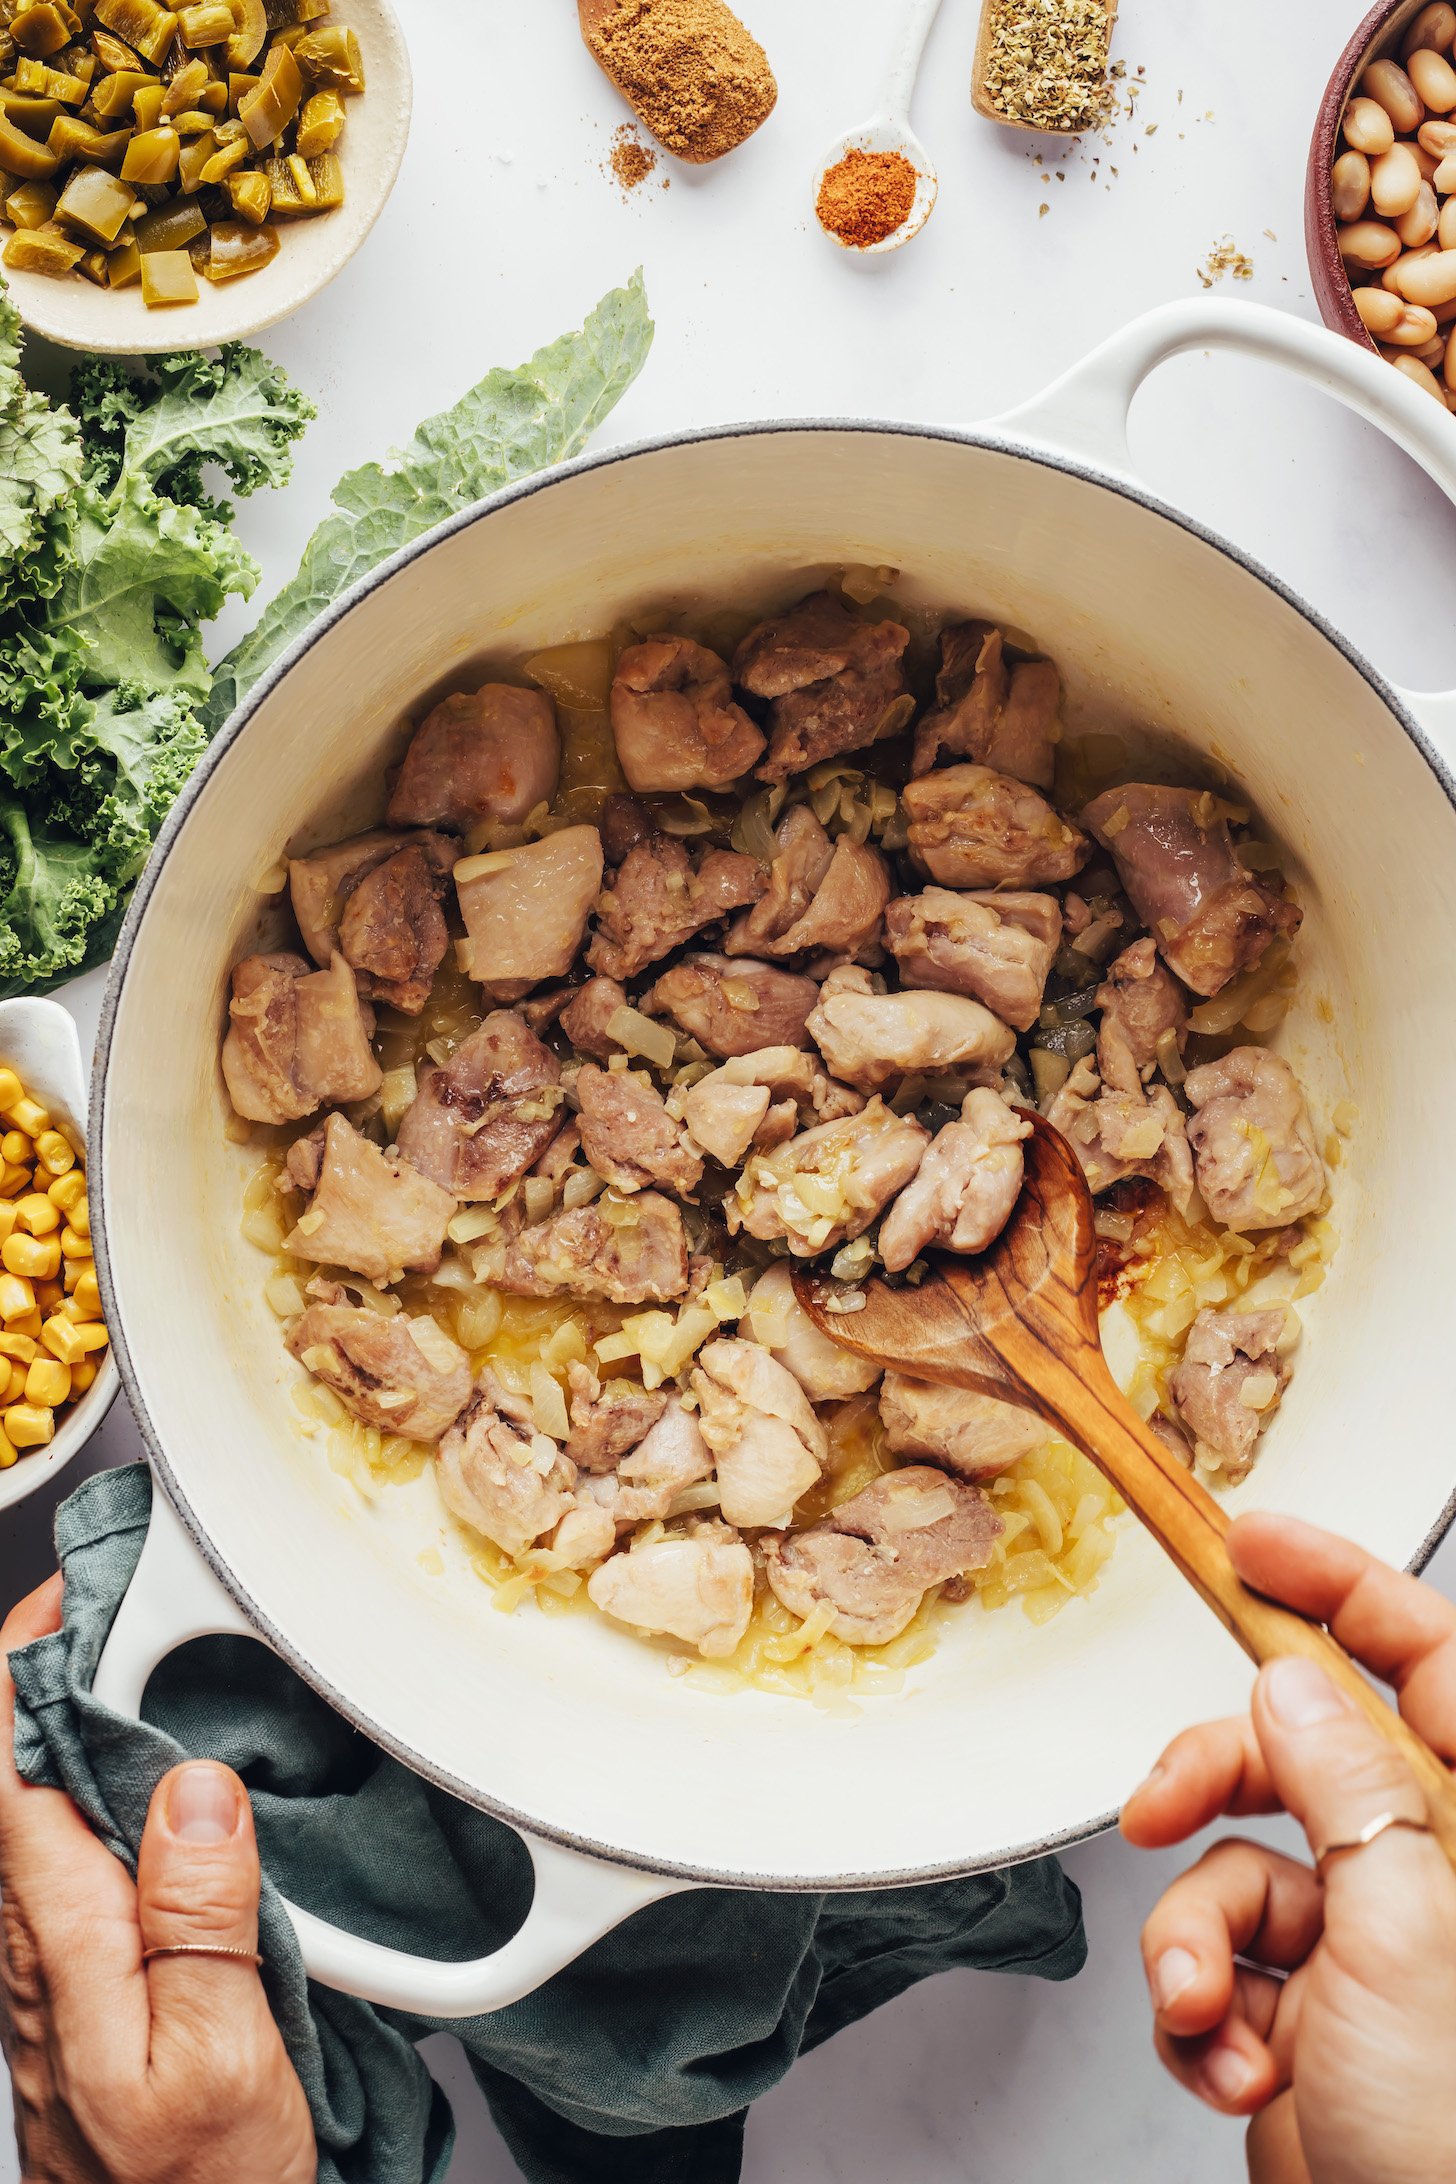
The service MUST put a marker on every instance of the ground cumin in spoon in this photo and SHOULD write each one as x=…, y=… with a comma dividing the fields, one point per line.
x=866, y=197
x=690, y=69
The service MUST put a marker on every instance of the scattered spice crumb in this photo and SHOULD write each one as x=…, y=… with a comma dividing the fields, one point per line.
x=1224, y=258
x=1041, y=210
x=1151, y=129
x=632, y=160
x=1046, y=63
x=1271, y=235
x=866, y=196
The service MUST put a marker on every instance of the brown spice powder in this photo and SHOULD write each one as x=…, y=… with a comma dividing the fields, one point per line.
x=632, y=161
x=691, y=70
x=866, y=197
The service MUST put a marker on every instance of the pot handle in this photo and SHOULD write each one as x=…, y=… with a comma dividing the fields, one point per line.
x=1085, y=411
x=174, y=1597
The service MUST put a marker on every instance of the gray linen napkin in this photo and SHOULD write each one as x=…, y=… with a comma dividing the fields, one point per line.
x=636, y=2064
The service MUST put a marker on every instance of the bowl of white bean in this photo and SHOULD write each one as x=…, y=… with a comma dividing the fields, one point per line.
x=1380, y=193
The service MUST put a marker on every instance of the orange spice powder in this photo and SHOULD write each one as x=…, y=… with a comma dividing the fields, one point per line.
x=866, y=197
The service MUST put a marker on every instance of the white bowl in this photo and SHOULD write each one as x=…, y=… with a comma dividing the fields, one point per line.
x=116, y=322
x=38, y=1041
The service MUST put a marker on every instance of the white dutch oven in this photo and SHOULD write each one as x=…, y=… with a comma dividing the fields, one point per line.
x=1011, y=1740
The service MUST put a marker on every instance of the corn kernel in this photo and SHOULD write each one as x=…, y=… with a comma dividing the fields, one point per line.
x=9, y=1453
x=81, y=1216
x=39, y=1259
x=67, y=1190
x=91, y=1334
x=21, y=1347
x=7, y=1218
x=87, y=1296
x=62, y=1338
x=82, y=1376
x=36, y=1214
x=11, y=1090
x=55, y=1153
x=73, y=1269
x=49, y=1296
x=28, y=1115
x=15, y=1146
x=46, y=1382
x=74, y=1246
x=16, y=1296
x=13, y=1181
x=25, y=1323
x=27, y=1425
x=13, y=1390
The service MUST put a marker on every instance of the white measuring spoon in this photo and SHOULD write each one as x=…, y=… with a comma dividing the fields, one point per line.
x=890, y=131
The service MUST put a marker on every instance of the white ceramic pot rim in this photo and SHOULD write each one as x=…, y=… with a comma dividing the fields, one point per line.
x=1093, y=473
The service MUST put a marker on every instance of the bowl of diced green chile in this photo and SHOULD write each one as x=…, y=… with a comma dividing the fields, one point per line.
x=153, y=161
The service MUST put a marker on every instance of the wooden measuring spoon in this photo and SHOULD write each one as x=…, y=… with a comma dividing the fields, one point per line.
x=591, y=15
x=980, y=96
x=1020, y=1323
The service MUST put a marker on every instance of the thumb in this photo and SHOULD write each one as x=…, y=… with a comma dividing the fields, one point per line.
x=197, y=1889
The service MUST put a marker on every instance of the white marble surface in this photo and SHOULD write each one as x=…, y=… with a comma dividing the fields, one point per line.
x=503, y=230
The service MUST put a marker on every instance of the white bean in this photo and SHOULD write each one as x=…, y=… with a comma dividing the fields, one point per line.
x=1395, y=182
x=1443, y=181
x=1434, y=80
x=1350, y=185
x=1446, y=225
x=1379, y=309
x=1438, y=137
x=1367, y=128
x=1434, y=27
x=1414, y=329
x=1421, y=374
x=1392, y=88
x=1367, y=243
x=1419, y=224
x=1426, y=161
x=1428, y=280
x=1390, y=278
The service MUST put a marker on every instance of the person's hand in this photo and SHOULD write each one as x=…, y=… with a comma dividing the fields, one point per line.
x=168, y=2073
x=1348, y=2069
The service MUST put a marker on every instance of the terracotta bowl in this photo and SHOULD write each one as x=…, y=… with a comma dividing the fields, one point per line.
x=1378, y=38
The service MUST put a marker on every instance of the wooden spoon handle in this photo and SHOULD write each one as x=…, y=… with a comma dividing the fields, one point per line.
x=1189, y=1524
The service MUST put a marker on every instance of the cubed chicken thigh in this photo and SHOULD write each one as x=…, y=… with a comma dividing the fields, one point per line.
x=997, y=948
x=587, y=1014
x=639, y=1256
x=758, y=1422
x=875, y=1557
x=377, y=900
x=491, y=753
x=655, y=901
x=821, y=895
x=628, y=1135
x=875, y=1040
x=479, y=1121
x=525, y=909
x=824, y=1369
x=674, y=720
x=1141, y=1003
x=1209, y=917
x=1227, y=1385
x=497, y=1474
x=836, y=683
x=378, y=1216
x=298, y=1039
x=998, y=716
x=975, y=1436
x=1258, y=1165
x=761, y=1099
x=970, y=826
x=827, y=1184
x=698, y=1588
x=607, y=1419
x=966, y=1186
x=1117, y=1134
x=734, y=1007
x=402, y=1375
x=647, y=1479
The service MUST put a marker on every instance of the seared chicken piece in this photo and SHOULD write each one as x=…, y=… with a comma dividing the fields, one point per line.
x=525, y=909
x=585, y=1535
x=479, y=1121
x=873, y=1040
x=723, y=1118
x=1228, y=1383
x=877, y=1555
x=1258, y=1166
x=963, y=1192
x=1140, y=1001
x=756, y=1419
x=734, y=1007
x=607, y=1420
x=825, y=1371
x=379, y=1216
x=640, y=1256
x=973, y=827
x=492, y=753
x=402, y=1375
x=975, y=1436
x=698, y=1588
x=392, y=929
x=834, y=681
x=821, y=896
x=1209, y=917
x=628, y=1135
x=1117, y=1134
x=998, y=948
x=297, y=1038
x=322, y=883
x=1006, y=719
x=829, y=1183
x=586, y=1016
x=501, y=1476
x=757, y=1098
x=672, y=1454
x=674, y=720
x=624, y=823
x=655, y=901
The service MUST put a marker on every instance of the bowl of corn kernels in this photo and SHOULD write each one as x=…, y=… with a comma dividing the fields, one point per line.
x=1380, y=193
x=59, y=1378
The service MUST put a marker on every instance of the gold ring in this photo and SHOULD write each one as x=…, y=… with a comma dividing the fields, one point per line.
x=201, y=1948
x=1368, y=1833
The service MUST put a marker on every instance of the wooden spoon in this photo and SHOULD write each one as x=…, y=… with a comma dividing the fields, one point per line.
x=1020, y=1323
x=980, y=97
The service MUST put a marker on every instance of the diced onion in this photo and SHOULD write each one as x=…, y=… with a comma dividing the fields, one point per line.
x=539, y=1193
x=477, y=868
x=639, y=1034
x=548, y=1404
x=397, y=1092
